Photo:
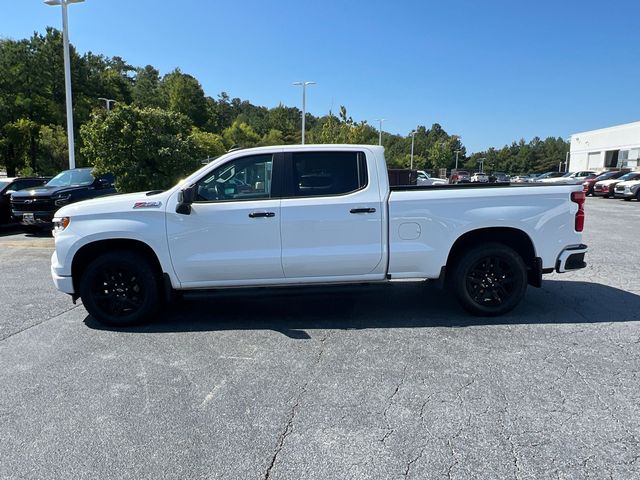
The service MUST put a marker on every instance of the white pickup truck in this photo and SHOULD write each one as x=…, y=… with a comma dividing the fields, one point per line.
x=315, y=214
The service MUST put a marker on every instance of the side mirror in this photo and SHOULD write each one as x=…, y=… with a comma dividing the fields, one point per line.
x=103, y=183
x=186, y=196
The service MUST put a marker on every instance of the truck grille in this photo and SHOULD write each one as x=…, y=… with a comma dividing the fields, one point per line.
x=33, y=204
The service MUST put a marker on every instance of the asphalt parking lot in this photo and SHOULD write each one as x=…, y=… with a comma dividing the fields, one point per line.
x=346, y=383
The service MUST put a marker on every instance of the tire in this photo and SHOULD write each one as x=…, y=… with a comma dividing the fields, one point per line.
x=489, y=280
x=120, y=289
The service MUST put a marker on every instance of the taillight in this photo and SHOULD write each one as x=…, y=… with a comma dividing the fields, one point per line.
x=578, y=197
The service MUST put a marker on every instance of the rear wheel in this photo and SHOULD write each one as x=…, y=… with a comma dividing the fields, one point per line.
x=489, y=280
x=120, y=289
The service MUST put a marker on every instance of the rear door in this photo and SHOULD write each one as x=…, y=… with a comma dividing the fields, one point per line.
x=332, y=222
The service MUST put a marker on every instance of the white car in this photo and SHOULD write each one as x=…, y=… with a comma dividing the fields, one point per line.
x=628, y=190
x=312, y=215
x=425, y=179
x=479, y=177
x=570, y=178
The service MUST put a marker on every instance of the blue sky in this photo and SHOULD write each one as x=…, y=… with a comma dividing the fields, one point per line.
x=490, y=71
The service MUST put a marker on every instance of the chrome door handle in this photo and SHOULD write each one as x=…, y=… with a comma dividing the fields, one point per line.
x=363, y=210
x=262, y=214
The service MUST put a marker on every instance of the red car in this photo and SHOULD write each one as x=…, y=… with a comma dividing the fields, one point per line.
x=605, y=188
x=589, y=183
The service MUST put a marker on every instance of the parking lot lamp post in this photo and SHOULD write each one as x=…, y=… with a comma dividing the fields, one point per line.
x=67, y=74
x=304, y=102
x=380, y=130
x=457, y=152
x=107, y=101
x=481, y=162
x=413, y=137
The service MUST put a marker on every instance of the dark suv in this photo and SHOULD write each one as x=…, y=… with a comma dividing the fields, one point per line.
x=36, y=207
x=10, y=185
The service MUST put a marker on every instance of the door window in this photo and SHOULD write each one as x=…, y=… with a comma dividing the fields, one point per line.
x=246, y=178
x=328, y=173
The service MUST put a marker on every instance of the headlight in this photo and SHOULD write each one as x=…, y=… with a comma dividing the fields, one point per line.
x=60, y=224
x=62, y=199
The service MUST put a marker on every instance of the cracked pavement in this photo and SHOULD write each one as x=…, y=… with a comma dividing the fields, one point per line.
x=378, y=382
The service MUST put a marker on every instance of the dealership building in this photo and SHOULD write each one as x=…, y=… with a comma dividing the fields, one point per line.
x=606, y=148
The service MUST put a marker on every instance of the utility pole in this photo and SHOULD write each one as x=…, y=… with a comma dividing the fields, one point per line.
x=67, y=74
x=413, y=137
x=304, y=102
x=380, y=130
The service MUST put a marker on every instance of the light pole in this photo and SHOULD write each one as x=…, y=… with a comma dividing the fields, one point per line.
x=481, y=162
x=304, y=102
x=380, y=131
x=108, y=102
x=413, y=137
x=67, y=74
x=457, y=152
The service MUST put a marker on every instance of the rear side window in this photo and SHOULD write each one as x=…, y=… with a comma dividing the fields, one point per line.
x=328, y=173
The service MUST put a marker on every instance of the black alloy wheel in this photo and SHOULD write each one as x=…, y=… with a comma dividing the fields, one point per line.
x=119, y=289
x=490, y=280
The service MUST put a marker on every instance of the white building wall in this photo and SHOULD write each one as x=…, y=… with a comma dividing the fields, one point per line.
x=589, y=149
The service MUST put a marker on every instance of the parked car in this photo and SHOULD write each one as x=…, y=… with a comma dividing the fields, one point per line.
x=548, y=175
x=521, y=179
x=589, y=184
x=499, y=177
x=35, y=208
x=9, y=185
x=606, y=188
x=479, y=177
x=330, y=218
x=459, y=176
x=425, y=179
x=569, y=178
x=628, y=190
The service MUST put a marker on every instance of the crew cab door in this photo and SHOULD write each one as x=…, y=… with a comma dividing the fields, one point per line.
x=232, y=234
x=332, y=216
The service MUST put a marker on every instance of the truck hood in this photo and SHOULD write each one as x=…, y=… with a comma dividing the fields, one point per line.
x=45, y=191
x=115, y=203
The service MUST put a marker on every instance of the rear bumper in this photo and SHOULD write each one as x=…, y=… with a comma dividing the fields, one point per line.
x=571, y=258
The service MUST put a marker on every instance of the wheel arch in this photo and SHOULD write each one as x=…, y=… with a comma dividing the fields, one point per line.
x=514, y=238
x=92, y=250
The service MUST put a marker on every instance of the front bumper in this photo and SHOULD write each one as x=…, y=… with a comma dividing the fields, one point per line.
x=41, y=218
x=64, y=283
x=571, y=258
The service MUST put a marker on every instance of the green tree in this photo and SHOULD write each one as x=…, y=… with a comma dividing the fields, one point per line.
x=146, y=88
x=144, y=148
x=208, y=144
x=53, y=151
x=240, y=135
x=184, y=94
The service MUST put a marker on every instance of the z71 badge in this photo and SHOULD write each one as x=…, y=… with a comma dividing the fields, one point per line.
x=147, y=205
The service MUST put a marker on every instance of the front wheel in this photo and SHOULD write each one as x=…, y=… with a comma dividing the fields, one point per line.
x=119, y=289
x=489, y=280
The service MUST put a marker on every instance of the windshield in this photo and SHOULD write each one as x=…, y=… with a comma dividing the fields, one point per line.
x=629, y=176
x=81, y=176
x=4, y=183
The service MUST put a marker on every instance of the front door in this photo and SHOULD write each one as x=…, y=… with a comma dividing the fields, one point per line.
x=232, y=235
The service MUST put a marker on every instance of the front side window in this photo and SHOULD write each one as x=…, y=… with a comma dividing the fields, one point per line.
x=246, y=178
x=328, y=173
